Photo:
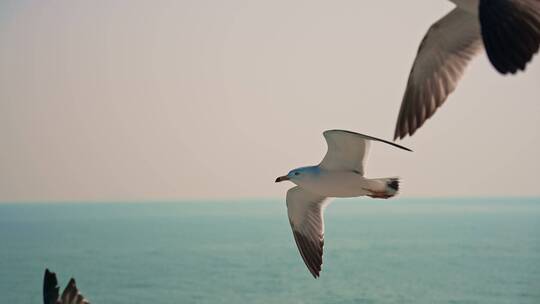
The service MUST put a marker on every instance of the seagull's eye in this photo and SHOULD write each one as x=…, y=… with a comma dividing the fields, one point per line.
x=296, y=173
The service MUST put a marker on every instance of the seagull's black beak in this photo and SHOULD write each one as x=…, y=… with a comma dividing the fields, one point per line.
x=282, y=178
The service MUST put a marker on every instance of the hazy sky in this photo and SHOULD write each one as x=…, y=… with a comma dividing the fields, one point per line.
x=164, y=100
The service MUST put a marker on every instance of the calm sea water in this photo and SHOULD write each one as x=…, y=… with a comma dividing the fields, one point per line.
x=395, y=251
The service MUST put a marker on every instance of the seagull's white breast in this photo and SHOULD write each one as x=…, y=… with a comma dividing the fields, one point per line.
x=331, y=183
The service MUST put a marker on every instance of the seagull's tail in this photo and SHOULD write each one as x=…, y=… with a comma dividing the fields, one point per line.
x=384, y=187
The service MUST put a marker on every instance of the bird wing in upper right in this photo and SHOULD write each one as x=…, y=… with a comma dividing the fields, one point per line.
x=445, y=51
x=305, y=210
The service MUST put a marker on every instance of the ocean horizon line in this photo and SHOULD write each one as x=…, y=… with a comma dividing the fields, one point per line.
x=248, y=200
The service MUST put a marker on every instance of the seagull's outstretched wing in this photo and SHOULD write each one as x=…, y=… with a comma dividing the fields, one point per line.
x=51, y=290
x=445, y=51
x=347, y=150
x=511, y=32
x=305, y=211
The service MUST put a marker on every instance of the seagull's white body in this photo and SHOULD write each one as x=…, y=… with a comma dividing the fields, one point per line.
x=508, y=30
x=329, y=183
x=340, y=174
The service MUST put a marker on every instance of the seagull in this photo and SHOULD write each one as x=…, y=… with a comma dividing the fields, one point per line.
x=51, y=291
x=509, y=31
x=340, y=174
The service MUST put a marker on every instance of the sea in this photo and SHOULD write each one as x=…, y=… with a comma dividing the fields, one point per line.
x=441, y=250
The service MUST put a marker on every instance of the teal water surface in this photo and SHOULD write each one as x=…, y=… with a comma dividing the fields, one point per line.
x=394, y=251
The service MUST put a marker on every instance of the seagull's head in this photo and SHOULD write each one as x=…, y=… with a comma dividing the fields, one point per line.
x=299, y=174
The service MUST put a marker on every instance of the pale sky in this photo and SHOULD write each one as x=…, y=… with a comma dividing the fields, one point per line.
x=172, y=100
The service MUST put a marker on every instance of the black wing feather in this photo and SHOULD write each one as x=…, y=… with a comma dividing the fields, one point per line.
x=511, y=32
x=51, y=290
x=311, y=252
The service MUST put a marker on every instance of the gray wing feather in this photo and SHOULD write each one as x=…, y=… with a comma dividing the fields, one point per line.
x=306, y=218
x=445, y=51
x=71, y=294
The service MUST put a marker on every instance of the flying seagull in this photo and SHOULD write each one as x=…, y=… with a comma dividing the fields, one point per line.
x=340, y=174
x=51, y=291
x=509, y=30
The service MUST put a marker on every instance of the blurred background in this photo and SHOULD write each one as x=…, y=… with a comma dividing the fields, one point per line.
x=206, y=103
x=164, y=100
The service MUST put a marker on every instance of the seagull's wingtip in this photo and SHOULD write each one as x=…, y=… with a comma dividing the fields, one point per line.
x=401, y=147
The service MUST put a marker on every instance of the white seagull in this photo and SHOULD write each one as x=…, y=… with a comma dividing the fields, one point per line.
x=51, y=291
x=509, y=30
x=340, y=174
